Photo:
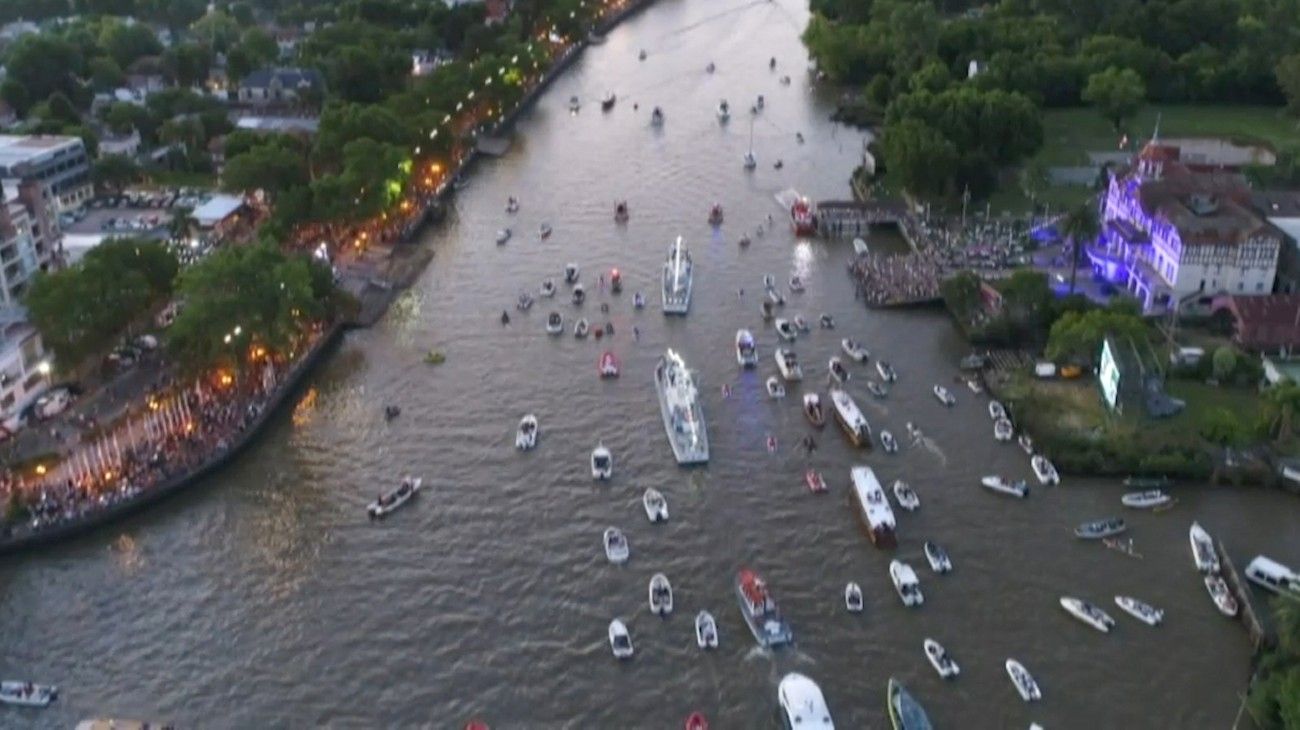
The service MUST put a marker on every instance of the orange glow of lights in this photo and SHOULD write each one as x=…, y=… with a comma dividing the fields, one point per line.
x=40, y=469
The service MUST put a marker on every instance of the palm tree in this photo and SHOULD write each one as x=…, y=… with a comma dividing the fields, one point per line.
x=1081, y=228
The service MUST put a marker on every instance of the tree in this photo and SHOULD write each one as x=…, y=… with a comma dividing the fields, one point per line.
x=1287, y=73
x=269, y=167
x=105, y=74
x=918, y=155
x=1077, y=336
x=43, y=64
x=127, y=43
x=187, y=64
x=1281, y=403
x=1027, y=297
x=1224, y=361
x=59, y=108
x=114, y=172
x=1117, y=93
x=1080, y=228
x=217, y=30
x=1221, y=428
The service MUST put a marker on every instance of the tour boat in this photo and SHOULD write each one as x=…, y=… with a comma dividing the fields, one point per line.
x=388, y=503
x=876, y=389
x=906, y=583
x=837, y=371
x=677, y=280
x=850, y=418
x=615, y=281
x=544, y=230
x=887, y=442
x=715, y=214
x=526, y=436
x=860, y=247
x=853, y=598
x=1003, y=430
x=774, y=387
x=1203, y=551
x=681, y=409
x=873, y=510
x=812, y=408
x=939, y=659
x=524, y=302
x=581, y=327
x=996, y=410
x=1044, y=470
x=621, y=212
x=697, y=721
x=826, y=321
x=607, y=102
x=1223, y=598
x=768, y=310
x=1145, y=500
x=813, y=479
x=855, y=351
x=905, y=713
x=788, y=364
x=796, y=283
x=1088, y=614
x=1023, y=681
x=800, y=323
x=608, y=365
x=784, y=329
x=579, y=295
x=660, y=595
x=548, y=288
x=746, y=350
x=802, y=704
x=616, y=547
x=512, y=204
x=620, y=641
x=760, y=611
x=937, y=557
x=887, y=372
x=27, y=694
x=1273, y=576
x=724, y=111
x=574, y=104
x=706, y=631
x=657, y=117
x=945, y=397
x=802, y=217
x=503, y=235
x=656, y=507
x=1026, y=443
x=554, y=323
x=1017, y=488
x=1144, y=612
x=906, y=496
x=571, y=273
x=602, y=463
x=1098, y=529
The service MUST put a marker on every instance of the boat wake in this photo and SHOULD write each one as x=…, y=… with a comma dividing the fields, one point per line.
x=932, y=446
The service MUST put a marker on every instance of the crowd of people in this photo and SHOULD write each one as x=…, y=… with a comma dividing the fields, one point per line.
x=885, y=279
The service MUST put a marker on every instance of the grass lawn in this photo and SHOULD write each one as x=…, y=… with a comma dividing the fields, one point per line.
x=1011, y=198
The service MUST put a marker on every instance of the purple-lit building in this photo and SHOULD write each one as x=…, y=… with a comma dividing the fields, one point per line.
x=1176, y=235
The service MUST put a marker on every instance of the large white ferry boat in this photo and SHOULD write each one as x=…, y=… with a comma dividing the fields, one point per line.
x=850, y=418
x=679, y=403
x=677, y=279
x=873, y=509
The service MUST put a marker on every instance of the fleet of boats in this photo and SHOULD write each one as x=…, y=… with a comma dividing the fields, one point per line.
x=683, y=415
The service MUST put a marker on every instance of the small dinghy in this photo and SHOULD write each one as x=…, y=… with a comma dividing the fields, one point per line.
x=660, y=595
x=524, y=302
x=906, y=497
x=937, y=557
x=1003, y=430
x=526, y=435
x=876, y=389
x=638, y=301
x=774, y=387
x=656, y=507
x=1203, y=552
x=812, y=408
x=1017, y=488
x=581, y=327
x=826, y=321
x=837, y=371
x=784, y=329
x=1023, y=681
x=616, y=547
x=602, y=463
x=579, y=295
x=1088, y=614
x=996, y=410
x=620, y=641
x=906, y=583
x=887, y=442
x=548, y=288
x=544, y=230
x=800, y=323
x=1026, y=443
x=1044, y=470
x=706, y=630
x=854, y=351
x=386, y=504
x=1097, y=529
x=608, y=365
x=853, y=598
x=571, y=273
x=887, y=372
x=1223, y=598
x=813, y=479
x=944, y=396
x=503, y=235
x=939, y=659
x=1145, y=500
x=1144, y=612
x=796, y=284
x=27, y=694
x=554, y=323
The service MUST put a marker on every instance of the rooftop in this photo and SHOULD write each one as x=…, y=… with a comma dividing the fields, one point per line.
x=217, y=209
x=16, y=149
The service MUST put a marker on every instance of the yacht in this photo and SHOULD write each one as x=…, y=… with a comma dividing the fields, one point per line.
x=906, y=583
x=620, y=641
x=1206, y=557
x=554, y=323
x=1044, y=470
x=774, y=387
x=679, y=404
x=812, y=408
x=677, y=279
x=760, y=611
x=724, y=111
x=906, y=496
x=873, y=509
x=905, y=713
x=1003, y=430
x=1088, y=614
x=788, y=363
x=855, y=351
x=850, y=418
x=616, y=548
x=1023, y=681
x=746, y=350
x=945, y=396
x=802, y=704
x=526, y=436
x=1144, y=612
x=887, y=372
x=602, y=463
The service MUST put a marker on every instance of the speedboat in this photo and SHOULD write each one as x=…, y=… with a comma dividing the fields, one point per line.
x=681, y=409
x=27, y=694
x=526, y=436
x=1016, y=488
x=855, y=351
x=906, y=497
x=388, y=503
x=1145, y=500
x=715, y=214
x=887, y=442
x=1024, y=682
x=746, y=350
x=784, y=329
x=607, y=101
x=906, y=583
x=554, y=323
x=812, y=408
x=608, y=366
x=760, y=611
x=724, y=111
x=788, y=363
x=796, y=283
x=937, y=557
x=826, y=321
x=1223, y=598
x=802, y=704
x=860, y=247
x=548, y=288
x=620, y=641
x=638, y=301
x=1203, y=552
x=1026, y=443
x=813, y=479
x=621, y=212
x=581, y=327
x=905, y=713
x=677, y=278
x=853, y=598
x=1088, y=614
x=996, y=410
x=571, y=273
x=1097, y=529
x=525, y=302
x=887, y=372
x=512, y=204
x=876, y=389
x=657, y=117
x=602, y=463
x=1144, y=612
x=774, y=387
x=574, y=104
x=850, y=418
x=503, y=235
x=873, y=510
x=579, y=295
x=660, y=594
x=1003, y=430
x=939, y=659
x=656, y=507
x=1044, y=470
x=837, y=371
x=616, y=547
x=544, y=230
x=800, y=323
x=706, y=630
x=945, y=397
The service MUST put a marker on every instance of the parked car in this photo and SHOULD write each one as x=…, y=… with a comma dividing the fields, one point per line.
x=53, y=402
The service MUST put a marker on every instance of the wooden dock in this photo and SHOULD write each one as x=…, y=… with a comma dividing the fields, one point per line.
x=854, y=218
x=1240, y=588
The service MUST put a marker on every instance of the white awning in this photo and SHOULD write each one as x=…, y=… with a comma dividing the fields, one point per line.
x=216, y=210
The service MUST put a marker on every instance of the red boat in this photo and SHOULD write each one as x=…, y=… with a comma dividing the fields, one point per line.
x=814, y=480
x=802, y=217
x=608, y=364
x=697, y=721
x=476, y=725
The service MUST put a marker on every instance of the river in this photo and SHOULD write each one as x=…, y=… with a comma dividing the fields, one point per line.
x=264, y=598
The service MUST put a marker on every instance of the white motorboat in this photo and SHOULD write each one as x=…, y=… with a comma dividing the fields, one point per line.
x=581, y=327
x=1223, y=598
x=784, y=329
x=853, y=598
x=1044, y=470
x=1088, y=614
x=571, y=273
x=677, y=279
x=657, y=117
x=27, y=694
x=1016, y=488
x=937, y=557
x=800, y=323
x=1145, y=500
x=1144, y=612
x=812, y=408
x=579, y=295
x=906, y=496
x=1026, y=443
x=887, y=372
x=873, y=510
x=769, y=281
x=906, y=583
x=876, y=389
x=850, y=418
x=1203, y=551
x=554, y=323
x=788, y=364
x=706, y=630
x=574, y=104
x=548, y=288
x=1100, y=529
x=774, y=387
x=616, y=546
x=620, y=641
x=746, y=350
x=996, y=410
x=386, y=504
x=887, y=442
x=837, y=371
x=503, y=235
x=1003, y=430
x=1273, y=576
x=939, y=659
x=656, y=507
x=855, y=351
x=602, y=463
x=681, y=409
x=1023, y=681
x=796, y=284
x=660, y=593
x=860, y=247
x=944, y=395
x=802, y=704
x=724, y=111
x=526, y=436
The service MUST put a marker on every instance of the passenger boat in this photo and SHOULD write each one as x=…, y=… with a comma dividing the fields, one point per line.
x=1223, y=598
x=1088, y=614
x=802, y=217
x=944, y=395
x=544, y=230
x=1203, y=551
x=837, y=371
x=937, y=557
x=579, y=295
x=785, y=330
x=853, y=598
x=1044, y=470
x=574, y=104
x=812, y=408
x=620, y=641
x=774, y=387
x=607, y=101
x=1023, y=681
x=388, y=503
x=906, y=497
x=715, y=214
x=855, y=351
x=1098, y=529
x=996, y=410
x=608, y=365
x=1146, y=482
x=860, y=247
x=571, y=272
x=548, y=288
x=706, y=631
x=906, y=583
x=503, y=235
x=615, y=281
x=27, y=694
x=677, y=280
x=887, y=372
x=876, y=389
x=681, y=409
x=813, y=479
x=788, y=364
x=887, y=442
x=1016, y=488
x=850, y=418
x=581, y=327
x=1026, y=443
x=796, y=284
x=602, y=463
x=1003, y=430
x=1144, y=612
x=802, y=704
x=939, y=659
x=657, y=117
x=660, y=595
x=616, y=548
x=800, y=323
x=656, y=507
x=905, y=713
x=1273, y=576
x=760, y=611
x=1145, y=500
x=768, y=310
x=526, y=436
x=724, y=111
x=554, y=323
x=873, y=509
